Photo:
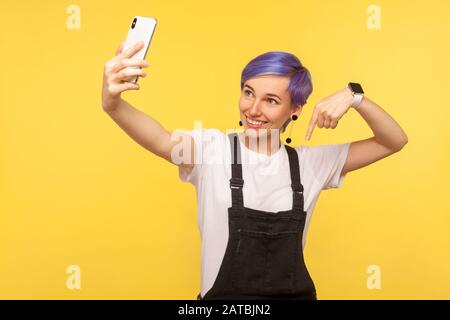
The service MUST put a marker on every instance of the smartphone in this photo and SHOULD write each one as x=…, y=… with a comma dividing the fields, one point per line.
x=141, y=29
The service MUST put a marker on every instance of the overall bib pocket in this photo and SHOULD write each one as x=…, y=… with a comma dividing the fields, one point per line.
x=259, y=264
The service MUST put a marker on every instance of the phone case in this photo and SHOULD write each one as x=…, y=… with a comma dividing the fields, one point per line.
x=141, y=29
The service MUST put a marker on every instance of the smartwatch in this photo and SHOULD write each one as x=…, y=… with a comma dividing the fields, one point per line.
x=357, y=92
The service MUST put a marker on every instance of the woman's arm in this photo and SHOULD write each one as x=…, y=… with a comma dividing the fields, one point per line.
x=146, y=131
x=385, y=129
x=388, y=135
x=142, y=128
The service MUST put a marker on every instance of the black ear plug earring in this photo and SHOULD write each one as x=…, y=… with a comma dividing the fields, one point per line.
x=288, y=140
x=240, y=123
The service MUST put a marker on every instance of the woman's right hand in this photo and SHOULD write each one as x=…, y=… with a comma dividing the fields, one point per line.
x=117, y=74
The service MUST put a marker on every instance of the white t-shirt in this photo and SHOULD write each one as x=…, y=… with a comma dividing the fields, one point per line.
x=267, y=187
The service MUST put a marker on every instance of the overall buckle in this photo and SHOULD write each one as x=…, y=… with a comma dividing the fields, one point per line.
x=297, y=188
x=236, y=183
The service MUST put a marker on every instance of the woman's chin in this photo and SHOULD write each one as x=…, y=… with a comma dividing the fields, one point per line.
x=256, y=132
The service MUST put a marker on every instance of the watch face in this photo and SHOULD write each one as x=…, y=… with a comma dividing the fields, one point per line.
x=356, y=87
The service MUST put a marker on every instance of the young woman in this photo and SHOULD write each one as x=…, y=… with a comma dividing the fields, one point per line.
x=255, y=194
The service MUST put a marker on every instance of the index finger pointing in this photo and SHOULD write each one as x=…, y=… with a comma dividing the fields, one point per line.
x=312, y=124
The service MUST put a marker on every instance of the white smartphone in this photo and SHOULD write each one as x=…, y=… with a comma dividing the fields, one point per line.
x=141, y=29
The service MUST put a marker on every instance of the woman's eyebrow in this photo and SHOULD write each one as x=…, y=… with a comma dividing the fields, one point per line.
x=269, y=94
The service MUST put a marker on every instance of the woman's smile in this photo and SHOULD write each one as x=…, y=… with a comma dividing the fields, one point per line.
x=253, y=123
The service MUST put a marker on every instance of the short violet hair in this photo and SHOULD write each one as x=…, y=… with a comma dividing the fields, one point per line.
x=282, y=64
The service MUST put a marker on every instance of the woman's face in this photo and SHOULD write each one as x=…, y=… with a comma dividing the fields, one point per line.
x=265, y=101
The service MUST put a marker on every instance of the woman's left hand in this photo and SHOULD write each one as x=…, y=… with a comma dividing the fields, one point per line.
x=330, y=110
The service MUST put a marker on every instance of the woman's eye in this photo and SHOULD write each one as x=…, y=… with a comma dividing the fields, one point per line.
x=275, y=101
x=247, y=91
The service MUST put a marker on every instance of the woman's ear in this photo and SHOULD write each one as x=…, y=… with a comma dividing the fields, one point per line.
x=298, y=110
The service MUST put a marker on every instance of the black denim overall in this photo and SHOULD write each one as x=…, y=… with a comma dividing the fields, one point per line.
x=264, y=255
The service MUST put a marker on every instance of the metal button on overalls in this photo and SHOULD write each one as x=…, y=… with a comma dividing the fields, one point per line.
x=264, y=256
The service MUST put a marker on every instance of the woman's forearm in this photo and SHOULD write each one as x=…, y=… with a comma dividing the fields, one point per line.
x=386, y=130
x=142, y=128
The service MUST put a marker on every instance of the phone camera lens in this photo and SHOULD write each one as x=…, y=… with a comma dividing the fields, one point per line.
x=134, y=23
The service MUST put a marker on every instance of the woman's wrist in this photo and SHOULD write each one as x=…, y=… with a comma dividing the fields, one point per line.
x=111, y=104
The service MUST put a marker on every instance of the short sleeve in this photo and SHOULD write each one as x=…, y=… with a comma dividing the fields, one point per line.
x=326, y=162
x=187, y=174
x=203, y=140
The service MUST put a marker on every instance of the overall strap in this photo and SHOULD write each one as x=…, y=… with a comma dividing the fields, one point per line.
x=296, y=183
x=236, y=181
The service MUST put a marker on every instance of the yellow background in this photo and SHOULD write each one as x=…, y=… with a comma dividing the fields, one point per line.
x=76, y=190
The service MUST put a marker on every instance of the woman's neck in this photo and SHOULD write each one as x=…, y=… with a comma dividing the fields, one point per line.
x=265, y=144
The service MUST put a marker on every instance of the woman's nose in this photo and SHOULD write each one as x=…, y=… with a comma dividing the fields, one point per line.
x=256, y=108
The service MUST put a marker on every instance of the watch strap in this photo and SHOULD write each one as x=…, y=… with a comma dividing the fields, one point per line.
x=357, y=92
